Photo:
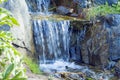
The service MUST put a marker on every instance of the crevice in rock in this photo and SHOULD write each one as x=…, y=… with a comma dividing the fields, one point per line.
x=18, y=46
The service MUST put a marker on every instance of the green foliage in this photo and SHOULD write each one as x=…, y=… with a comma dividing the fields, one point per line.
x=34, y=67
x=11, y=67
x=102, y=10
x=1, y=1
x=8, y=71
x=10, y=59
x=90, y=79
x=7, y=18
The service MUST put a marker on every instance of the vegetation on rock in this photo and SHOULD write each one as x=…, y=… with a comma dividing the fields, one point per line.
x=103, y=10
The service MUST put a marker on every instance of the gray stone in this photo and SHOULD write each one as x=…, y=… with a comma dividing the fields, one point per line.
x=117, y=69
x=22, y=33
x=64, y=10
x=74, y=15
x=94, y=47
x=101, y=42
x=114, y=37
x=111, y=65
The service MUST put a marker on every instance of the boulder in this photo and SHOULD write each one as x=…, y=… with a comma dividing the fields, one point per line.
x=23, y=33
x=64, y=10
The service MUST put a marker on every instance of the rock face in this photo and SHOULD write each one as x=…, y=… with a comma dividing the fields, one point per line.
x=23, y=33
x=78, y=32
x=101, y=43
x=95, y=47
x=117, y=69
x=113, y=24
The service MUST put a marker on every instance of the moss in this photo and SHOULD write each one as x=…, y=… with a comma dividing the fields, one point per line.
x=33, y=66
x=55, y=17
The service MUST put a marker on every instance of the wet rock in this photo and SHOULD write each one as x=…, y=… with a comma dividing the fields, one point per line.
x=74, y=15
x=71, y=75
x=114, y=37
x=78, y=25
x=111, y=65
x=117, y=69
x=110, y=2
x=89, y=74
x=95, y=47
x=64, y=10
x=75, y=45
x=113, y=20
x=101, y=42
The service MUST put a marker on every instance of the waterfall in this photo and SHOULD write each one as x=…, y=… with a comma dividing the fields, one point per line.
x=38, y=6
x=51, y=37
x=51, y=40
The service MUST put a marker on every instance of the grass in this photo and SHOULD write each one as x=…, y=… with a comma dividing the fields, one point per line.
x=33, y=66
x=103, y=10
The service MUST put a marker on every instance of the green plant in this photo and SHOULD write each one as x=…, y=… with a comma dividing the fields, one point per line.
x=1, y=1
x=90, y=79
x=102, y=10
x=7, y=18
x=10, y=59
x=34, y=67
x=11, y=67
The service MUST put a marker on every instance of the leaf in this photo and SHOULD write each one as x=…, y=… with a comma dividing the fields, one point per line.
x=18, y=75
x=14, y=21
x=19, y=79
x=8, y=71
x=2, y=64
x=7, y=18
x=2, y=16
x=3, y=10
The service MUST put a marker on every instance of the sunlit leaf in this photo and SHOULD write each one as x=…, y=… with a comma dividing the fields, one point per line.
x=8, y=71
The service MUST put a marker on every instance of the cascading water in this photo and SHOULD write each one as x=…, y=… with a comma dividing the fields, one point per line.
x=51, y=40
x=38, y=6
